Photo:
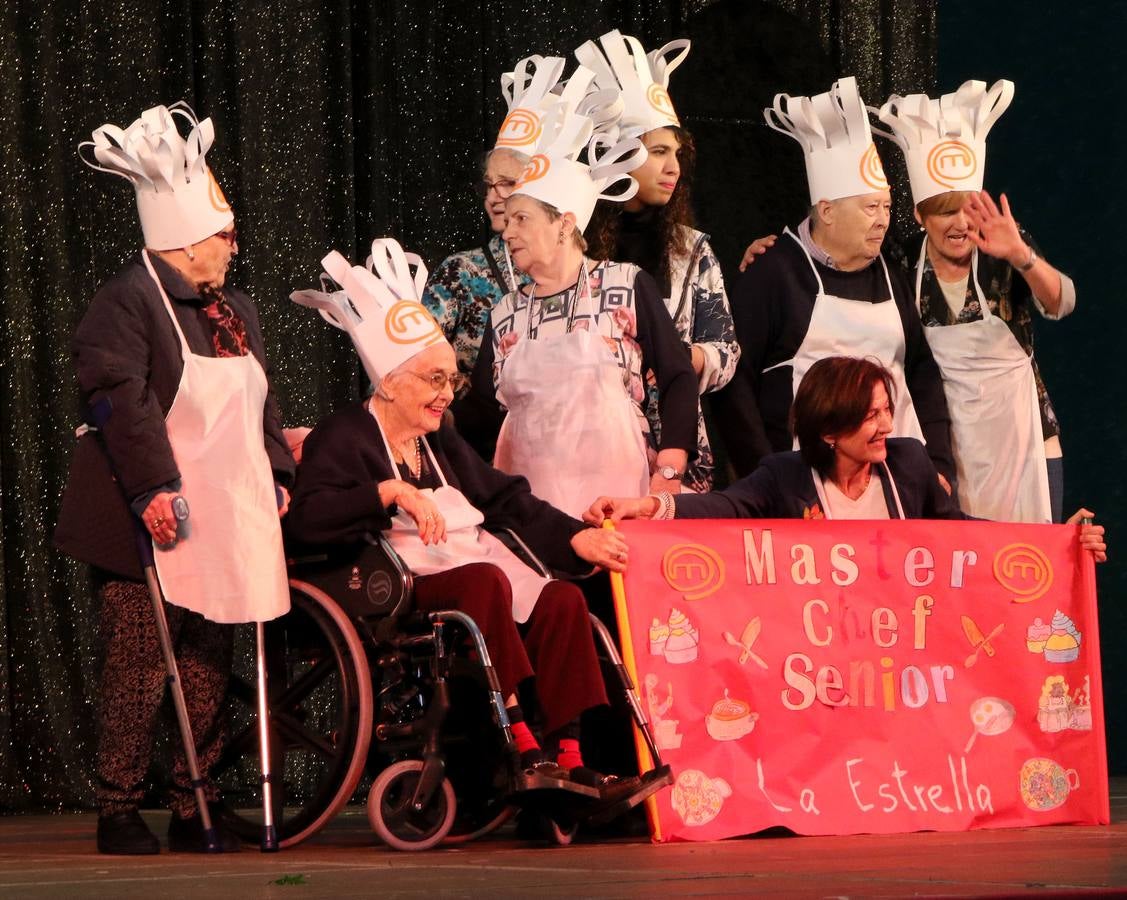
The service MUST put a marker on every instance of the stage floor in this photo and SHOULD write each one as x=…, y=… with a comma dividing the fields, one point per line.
x=53, y=856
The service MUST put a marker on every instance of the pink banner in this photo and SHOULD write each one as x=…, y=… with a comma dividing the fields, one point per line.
x=847, y=677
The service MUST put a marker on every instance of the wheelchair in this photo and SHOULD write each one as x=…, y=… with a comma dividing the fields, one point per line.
x=365, y=691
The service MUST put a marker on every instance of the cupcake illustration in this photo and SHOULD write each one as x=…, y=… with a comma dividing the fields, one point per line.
x=659, y=634
x=1036, y=635
x=681, y=646
x=1063, y=645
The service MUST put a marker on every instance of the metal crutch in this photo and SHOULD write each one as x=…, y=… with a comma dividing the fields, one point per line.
x=269, y=833
x=145, y=552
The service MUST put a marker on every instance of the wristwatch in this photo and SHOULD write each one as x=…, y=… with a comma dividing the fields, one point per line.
x=669, y=473
x=1028, y=264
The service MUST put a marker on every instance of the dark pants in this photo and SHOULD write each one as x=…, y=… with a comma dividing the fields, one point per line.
x=133, y=686
x=557, y=644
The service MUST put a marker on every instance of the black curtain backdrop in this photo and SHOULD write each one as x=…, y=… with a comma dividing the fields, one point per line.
x=337, y=122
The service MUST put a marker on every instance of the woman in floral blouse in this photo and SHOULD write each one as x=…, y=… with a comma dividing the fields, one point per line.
x=463, y=289
x=654, y=230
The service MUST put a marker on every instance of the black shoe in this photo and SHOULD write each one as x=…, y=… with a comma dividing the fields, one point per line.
x=126, y=834
x=186, y=835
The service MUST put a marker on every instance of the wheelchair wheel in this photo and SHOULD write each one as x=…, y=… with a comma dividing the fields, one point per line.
x=321, y=708
x=390, y=813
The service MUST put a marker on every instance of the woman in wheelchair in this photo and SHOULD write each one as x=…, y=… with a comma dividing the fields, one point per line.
x=395, y=464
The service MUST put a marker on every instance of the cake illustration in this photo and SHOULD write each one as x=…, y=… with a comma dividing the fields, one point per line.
x=1036, y=636
x=730, y=719
x=681, y=645
x=659, y=634
x=1063, y=645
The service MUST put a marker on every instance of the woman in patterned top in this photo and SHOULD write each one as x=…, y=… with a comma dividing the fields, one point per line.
x=463, y=289
x=655, y=230
x=971, y=251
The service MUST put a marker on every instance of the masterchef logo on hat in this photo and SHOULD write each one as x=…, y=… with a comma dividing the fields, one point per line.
x=659, y=100
x=521, y=127
x=693, y=570
x=1024, y=570
x=408, y=322
x=537, y=167
x=215, y=194
x=872, y=172
x=951, y=162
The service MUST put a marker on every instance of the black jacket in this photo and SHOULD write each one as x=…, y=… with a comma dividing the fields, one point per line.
x=126, y=353
x=771, y=305
x=783, y=488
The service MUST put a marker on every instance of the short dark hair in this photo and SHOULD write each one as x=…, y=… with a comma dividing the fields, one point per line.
x=834, y=397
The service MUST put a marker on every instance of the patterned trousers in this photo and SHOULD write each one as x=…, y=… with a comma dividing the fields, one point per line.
x=133, y=685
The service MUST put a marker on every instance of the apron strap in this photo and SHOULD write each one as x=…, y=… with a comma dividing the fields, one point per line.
x=809, y=258
x=167, y=304
x=820, y=489
x=693, y=258
x=982, y=304
x=495, y=268
x=891, y=482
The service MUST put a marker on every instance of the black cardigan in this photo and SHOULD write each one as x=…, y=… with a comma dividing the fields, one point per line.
x=771, y=305
x=336, y=498
x=126, y=352
x=783, y=488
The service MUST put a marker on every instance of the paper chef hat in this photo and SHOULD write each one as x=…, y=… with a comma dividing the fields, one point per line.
x=178, y=200
x=944, y=140
x=554, y=174
x=833, y=131
x=530, y=91
x=622, y=64
x=378, y=307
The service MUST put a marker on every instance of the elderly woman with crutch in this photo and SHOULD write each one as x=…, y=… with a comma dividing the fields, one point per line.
x=180, y=412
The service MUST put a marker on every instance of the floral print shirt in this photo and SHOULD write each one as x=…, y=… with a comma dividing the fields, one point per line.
x=460, y=293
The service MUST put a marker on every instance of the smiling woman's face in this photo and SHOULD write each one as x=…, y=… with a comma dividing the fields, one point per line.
x=949, y=231
x=418, y=404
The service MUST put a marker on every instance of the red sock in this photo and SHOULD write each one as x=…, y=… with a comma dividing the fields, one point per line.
x=569, y=755
x=523, y=737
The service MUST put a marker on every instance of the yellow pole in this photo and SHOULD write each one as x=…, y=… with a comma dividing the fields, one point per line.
x=626, y=640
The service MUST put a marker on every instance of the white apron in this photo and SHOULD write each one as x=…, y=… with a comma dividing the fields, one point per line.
x=465, y=541
x=228, y=564
x=571, y=428
x=996, y=431
x=841, y=327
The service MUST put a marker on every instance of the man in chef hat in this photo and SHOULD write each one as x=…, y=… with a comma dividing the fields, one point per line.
x=824, y=289
x=974, y=267
x=170, y=359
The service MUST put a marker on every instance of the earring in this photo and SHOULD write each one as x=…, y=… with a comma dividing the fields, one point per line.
x=189, y=253
x=561, y=237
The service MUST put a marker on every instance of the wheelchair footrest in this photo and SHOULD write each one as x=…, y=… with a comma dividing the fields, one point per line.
x=649, y=784
x=529, y=782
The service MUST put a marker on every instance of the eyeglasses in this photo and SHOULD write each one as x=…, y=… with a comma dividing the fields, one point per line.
x=231, y=237
x=439, y=380
x=503, y=186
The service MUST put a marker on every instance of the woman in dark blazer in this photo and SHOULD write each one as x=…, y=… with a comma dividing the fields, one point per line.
x=842, y=418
